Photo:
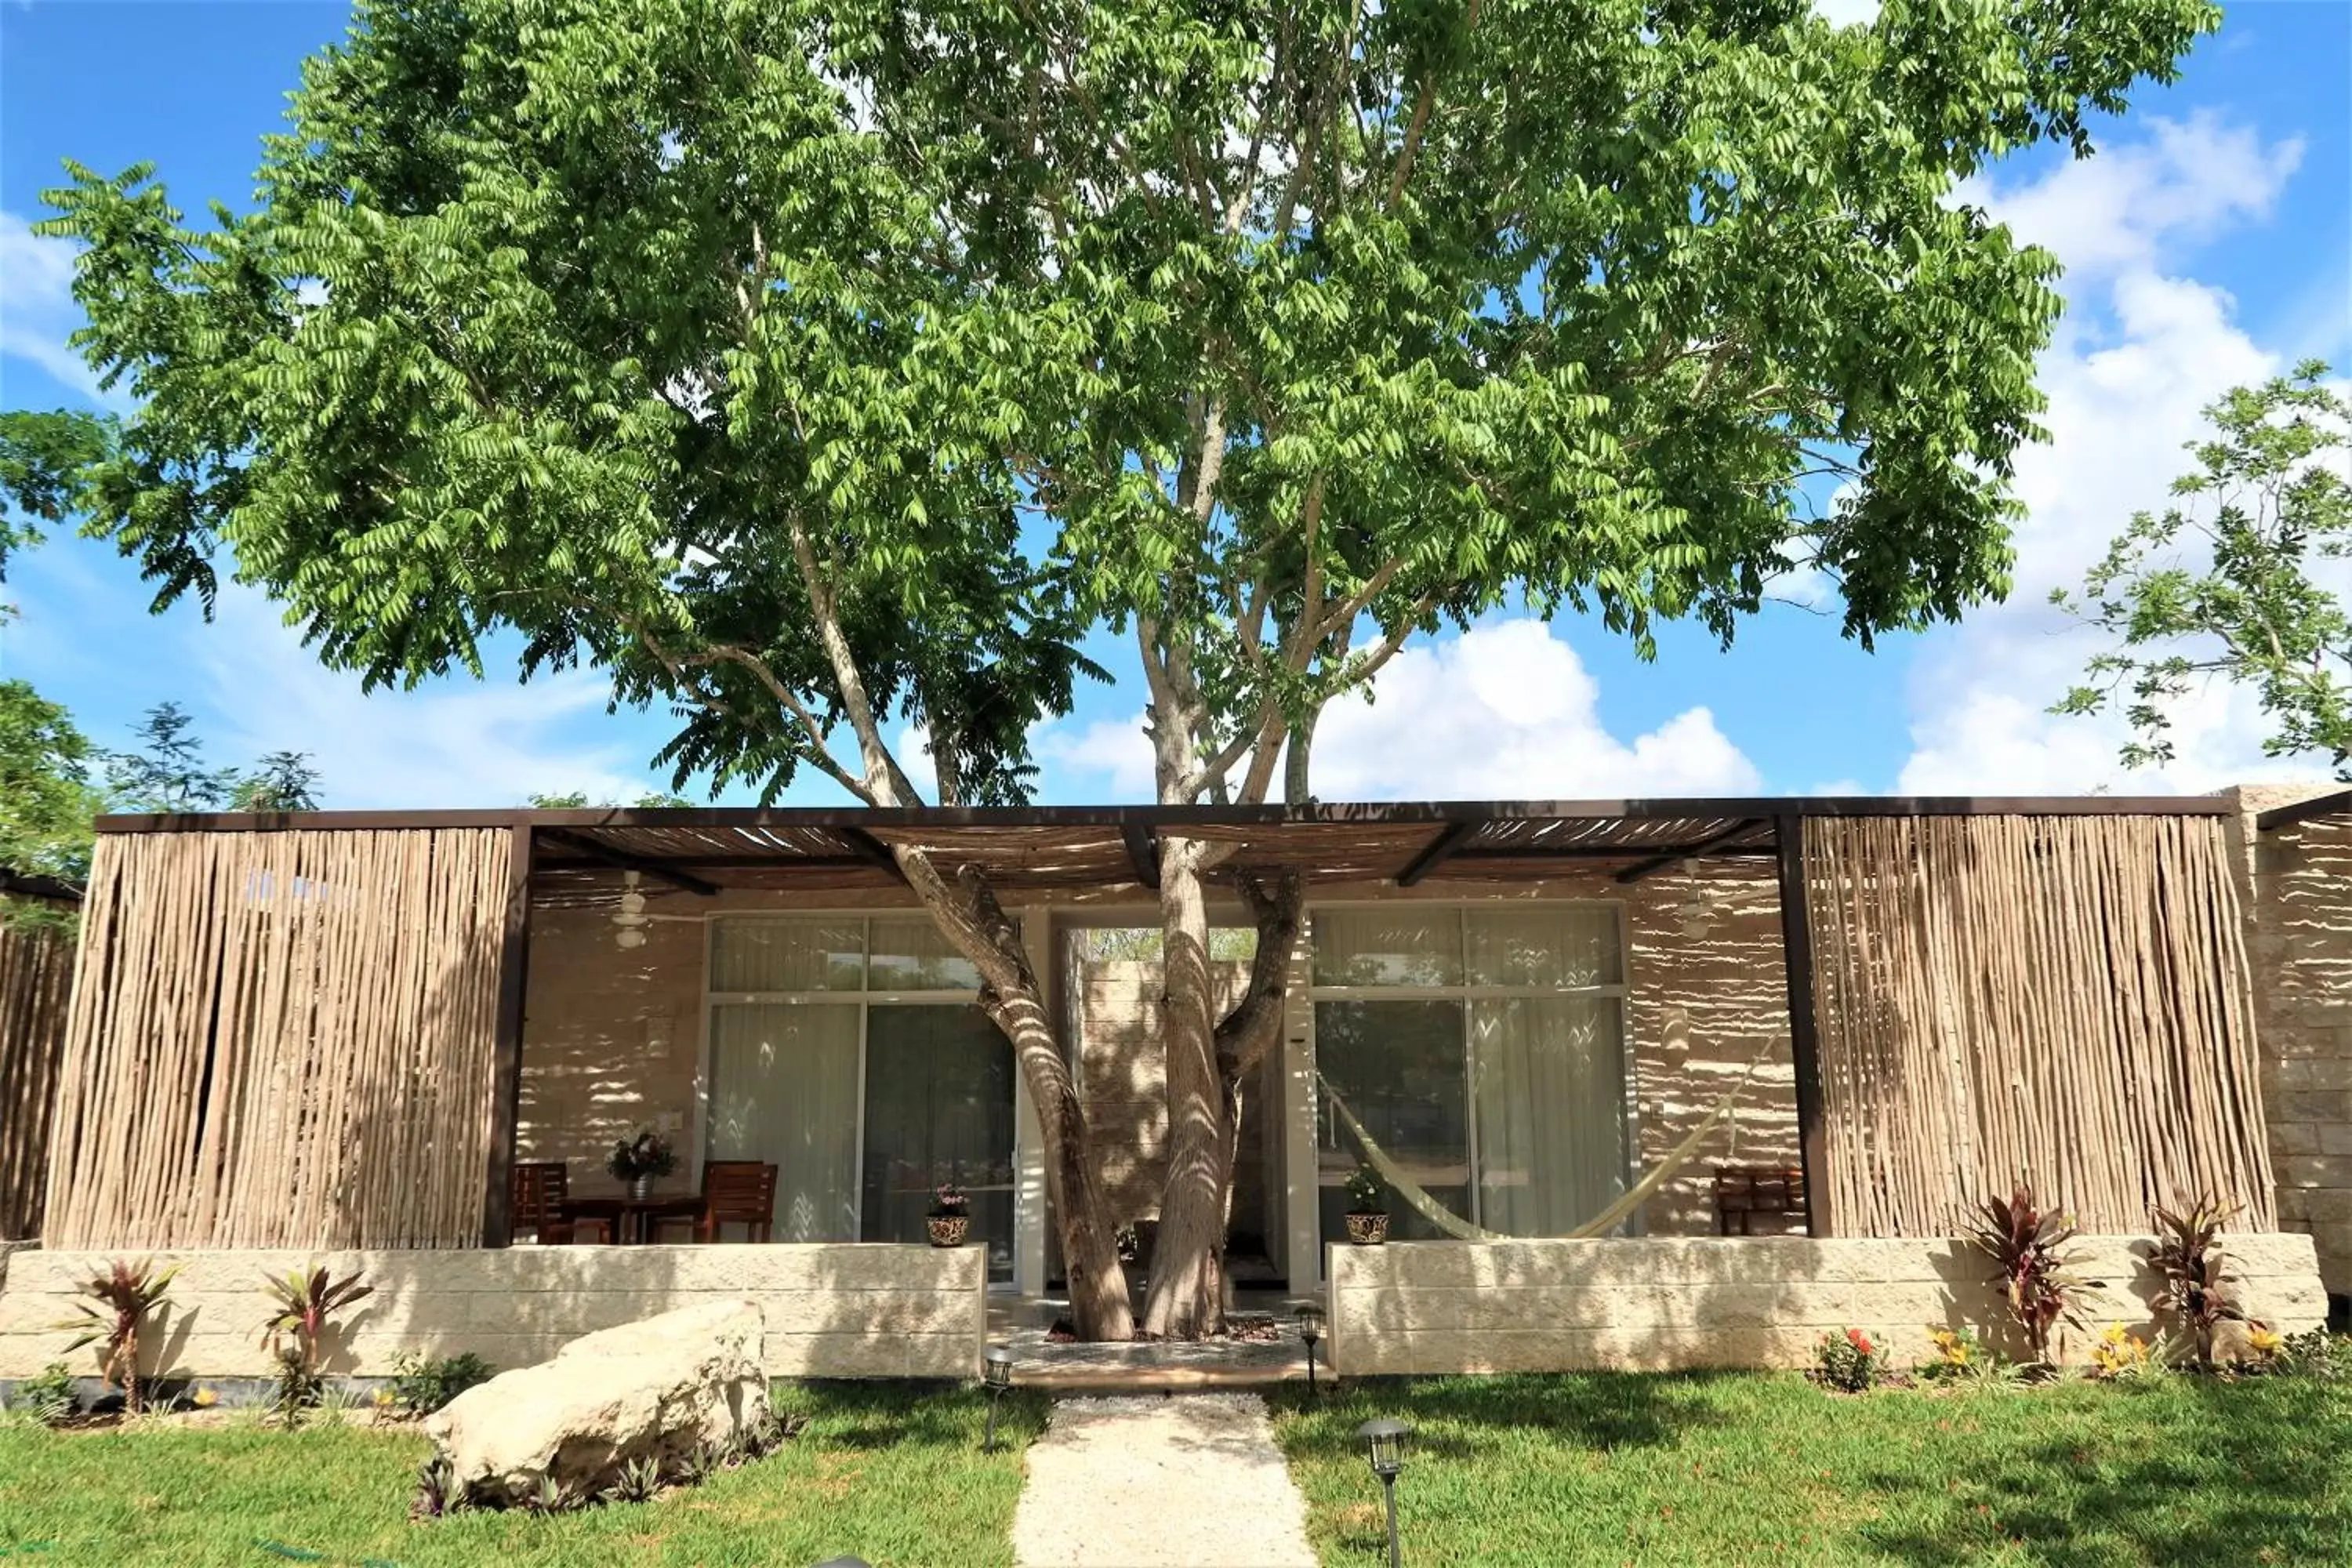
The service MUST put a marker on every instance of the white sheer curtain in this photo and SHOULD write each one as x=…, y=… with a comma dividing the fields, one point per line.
x=784, y=1091
x=788, y=955
x=1549, y=1079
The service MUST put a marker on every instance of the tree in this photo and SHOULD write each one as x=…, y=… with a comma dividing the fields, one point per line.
x=577, y=800
x=281, y=781
x=45, y=463
x=47, y=800
x=2233, y=582
x=167, y=773
x=816, y=368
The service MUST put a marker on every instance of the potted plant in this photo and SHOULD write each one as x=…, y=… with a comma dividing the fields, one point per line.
x=951, y=1216
x=638, y=1161
x=1368, y=1215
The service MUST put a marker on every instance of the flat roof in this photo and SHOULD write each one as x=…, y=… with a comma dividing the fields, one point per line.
x=704, y=849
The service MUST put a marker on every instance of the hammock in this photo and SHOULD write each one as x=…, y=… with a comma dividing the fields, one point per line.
x=1607, y=1220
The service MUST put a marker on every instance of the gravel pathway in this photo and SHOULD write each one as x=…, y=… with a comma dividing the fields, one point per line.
x=1188, y=1480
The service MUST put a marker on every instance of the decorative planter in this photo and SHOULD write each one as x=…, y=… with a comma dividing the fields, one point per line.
x=948, y=1229
x=1368, y=1229
x=640, y=1188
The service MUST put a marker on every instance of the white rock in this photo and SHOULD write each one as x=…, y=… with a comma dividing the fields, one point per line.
x=657, y=1388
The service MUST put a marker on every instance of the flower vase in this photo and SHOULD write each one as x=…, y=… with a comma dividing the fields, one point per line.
x=948, y=1229
x=640, y=1188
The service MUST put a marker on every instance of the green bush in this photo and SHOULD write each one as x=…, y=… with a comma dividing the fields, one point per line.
x=421, y=1385
x=49, y=1397
x=1849, y=1362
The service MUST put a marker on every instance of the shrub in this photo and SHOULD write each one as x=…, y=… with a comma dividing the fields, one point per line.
x=2196, y=1272
x=302, y=1305
x=120, y=1301
x=423, y=1384
x=1366, y=1194
x=2035, y=1276
x=2317, y=1354
x=48, y=1398
x=2119, y=1352
x=1959, y=1356
x=1849, y=1362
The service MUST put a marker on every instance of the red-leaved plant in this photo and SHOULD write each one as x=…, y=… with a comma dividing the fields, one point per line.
x=301, y=1305
x=124, y=1295
x=2196, y=1273
x=2035, y=1275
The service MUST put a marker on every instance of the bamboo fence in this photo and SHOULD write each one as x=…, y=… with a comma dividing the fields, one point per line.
x=35, y=982
x=2062, y=1001
x=282, y=1039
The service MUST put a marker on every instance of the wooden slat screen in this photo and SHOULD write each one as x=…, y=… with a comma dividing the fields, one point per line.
x=282, y=1039
x=35, y=982
x=2061, y=999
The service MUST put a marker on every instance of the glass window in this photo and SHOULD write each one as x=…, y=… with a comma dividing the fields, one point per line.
x=1500, y=1091
x=912, y=955
x=938, y=1108
x=1398, y=1065
x=788, y=955
x=1409, y=945
x=784, y=1091
x=1555, y=945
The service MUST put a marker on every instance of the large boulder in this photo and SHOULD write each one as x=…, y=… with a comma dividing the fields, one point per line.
x=659, y=1389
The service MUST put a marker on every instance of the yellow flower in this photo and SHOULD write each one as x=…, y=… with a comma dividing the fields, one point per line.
x=2264, y=1341
x=203, y=1399
x=2118, y=1351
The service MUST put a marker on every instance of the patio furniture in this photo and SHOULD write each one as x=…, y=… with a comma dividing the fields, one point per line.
x=629, y=1220
x=542, y=1206
x=734, y=1192
x=1743, y=1191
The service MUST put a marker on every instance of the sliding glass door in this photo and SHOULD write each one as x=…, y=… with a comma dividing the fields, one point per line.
x=849, y=1053
x=1483, y=1050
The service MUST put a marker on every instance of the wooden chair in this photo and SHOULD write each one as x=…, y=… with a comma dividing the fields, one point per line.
x=542, y=1204
x=736, y=1192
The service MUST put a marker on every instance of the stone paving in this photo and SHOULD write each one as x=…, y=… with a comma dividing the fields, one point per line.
x=1188, y=1480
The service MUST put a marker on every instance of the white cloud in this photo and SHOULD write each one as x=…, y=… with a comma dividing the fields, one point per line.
x=2126, y=388
x=1505, y=710
x=452, y=744
x=37, y=312
x=2119, y=210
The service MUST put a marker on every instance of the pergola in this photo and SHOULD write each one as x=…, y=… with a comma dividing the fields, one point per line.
x=553, y=857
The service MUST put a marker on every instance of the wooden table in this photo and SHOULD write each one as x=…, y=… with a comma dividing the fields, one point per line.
x=631, y=1219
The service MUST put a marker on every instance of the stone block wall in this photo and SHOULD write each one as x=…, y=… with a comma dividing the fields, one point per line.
x=845, y=1311
x=1662, y=1303
x=2299, y=943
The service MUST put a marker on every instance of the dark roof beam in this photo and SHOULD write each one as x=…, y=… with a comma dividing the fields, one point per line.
x=621, y=860
x=1142, y=853
x=1437, y=851
x=1708, y=845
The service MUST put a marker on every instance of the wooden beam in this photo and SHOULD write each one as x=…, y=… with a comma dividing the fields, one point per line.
x=871, y=851
x=50, y=889
x=2304, y=810
x=1435, y=813
x=1804, y=1026
x=1142, y=853
x=1723, y=840
x=644, y=865
x=506, y=1045
x=1437, y=851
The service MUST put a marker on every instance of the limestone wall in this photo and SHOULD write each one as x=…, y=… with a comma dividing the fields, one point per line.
x=847, y=1310
x=1662, y=1303
x=2299, y=940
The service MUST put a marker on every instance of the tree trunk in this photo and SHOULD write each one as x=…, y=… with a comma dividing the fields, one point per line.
x=1185, y=1299
x=968, y=913
x=1187, y=1294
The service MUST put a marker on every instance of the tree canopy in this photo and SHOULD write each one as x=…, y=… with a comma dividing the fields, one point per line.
x=2243, y=580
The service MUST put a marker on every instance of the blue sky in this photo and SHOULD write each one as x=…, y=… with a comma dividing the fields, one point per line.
x=2206, y=245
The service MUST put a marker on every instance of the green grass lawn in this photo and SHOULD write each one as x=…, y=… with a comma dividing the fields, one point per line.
x=891, y=1475
x=1735, y=1468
